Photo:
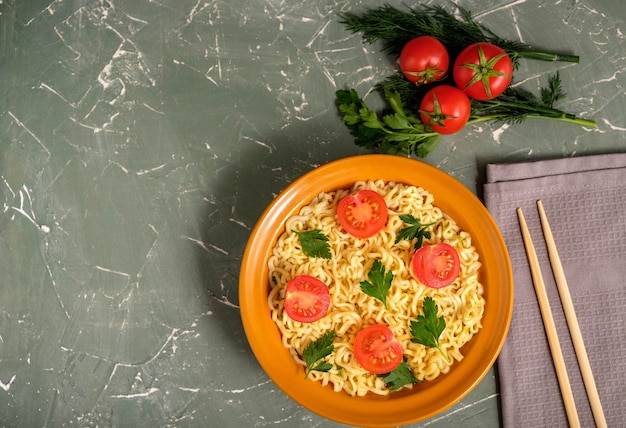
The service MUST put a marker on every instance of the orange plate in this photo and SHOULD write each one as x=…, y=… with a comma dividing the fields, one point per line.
x=425, y=399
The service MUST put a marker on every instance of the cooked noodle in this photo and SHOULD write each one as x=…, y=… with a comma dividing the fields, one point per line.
x=461, y=303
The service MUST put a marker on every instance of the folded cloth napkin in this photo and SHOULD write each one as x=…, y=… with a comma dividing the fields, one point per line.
x=585, y=202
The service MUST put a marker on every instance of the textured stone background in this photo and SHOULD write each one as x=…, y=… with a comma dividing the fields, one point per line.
x=141, y=140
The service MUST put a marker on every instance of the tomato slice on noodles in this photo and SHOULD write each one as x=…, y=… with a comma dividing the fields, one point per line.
x=436, y=265
x=306, y=299
x=362, y=214
x=376, y=350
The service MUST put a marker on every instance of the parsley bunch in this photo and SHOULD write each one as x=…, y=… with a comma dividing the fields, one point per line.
x=396, y=132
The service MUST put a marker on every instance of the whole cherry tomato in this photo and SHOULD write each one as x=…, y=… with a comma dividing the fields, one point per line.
x=483, y=70
x=445, y=109
x=424, y=59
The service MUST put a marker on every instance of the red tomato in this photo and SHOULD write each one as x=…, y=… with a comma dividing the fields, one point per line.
x=306, y=298
x=436, y=265
x=377, y=350
x=424, y=60
x=483, y=71
x=445, y=109
x=362, y=214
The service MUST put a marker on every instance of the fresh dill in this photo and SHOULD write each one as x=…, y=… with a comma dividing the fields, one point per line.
x=516, y=105
x=395, y=27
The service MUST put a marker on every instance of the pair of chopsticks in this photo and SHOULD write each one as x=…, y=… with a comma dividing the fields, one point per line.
x=572, y=323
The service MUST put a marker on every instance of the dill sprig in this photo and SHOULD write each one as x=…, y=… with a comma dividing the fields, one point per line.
x=514, y=106
x=554, y=92
x=395, y=27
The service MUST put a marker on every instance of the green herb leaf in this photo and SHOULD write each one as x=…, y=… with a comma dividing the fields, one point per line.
x=399, y=377
x=416, y=230
x=379, y=284
x=317, y=350
x=428, y=327
x=554, y=92
x=322, y=367
x=397, y=131
x=314, y=243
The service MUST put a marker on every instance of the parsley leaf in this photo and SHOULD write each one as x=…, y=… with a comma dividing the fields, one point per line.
x=394, y=131
x=380, y=282
x=399, y=377
x=314, y=243
x=428, y=327
x=316, y=350
x=415, y=230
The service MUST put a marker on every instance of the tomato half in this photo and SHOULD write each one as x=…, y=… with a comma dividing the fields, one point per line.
x=483, y=71
x=436, y=265
x=377, y=350
x=445, y=109
x=362, y=214
x=423, y=60
x=306, y=298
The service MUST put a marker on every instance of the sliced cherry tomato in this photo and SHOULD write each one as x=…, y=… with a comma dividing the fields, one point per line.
x=362, y=214
x=423, y=60
x=306, y=298
x=483, y=71
x=377, y=350
x=436, y=265
x=445, y=109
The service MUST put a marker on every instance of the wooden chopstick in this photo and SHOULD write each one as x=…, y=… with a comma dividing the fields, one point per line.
x=572, y=321
x=548, y=322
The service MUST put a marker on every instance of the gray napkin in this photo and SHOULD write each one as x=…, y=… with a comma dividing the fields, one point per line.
x=585, y=202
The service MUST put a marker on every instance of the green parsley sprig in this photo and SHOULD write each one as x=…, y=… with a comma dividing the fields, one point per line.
x=314, y=243
x=399, y=377
x=428, y=327
x=318, y=350
x=415, y=230
x=396, y=132
x=379, y=282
